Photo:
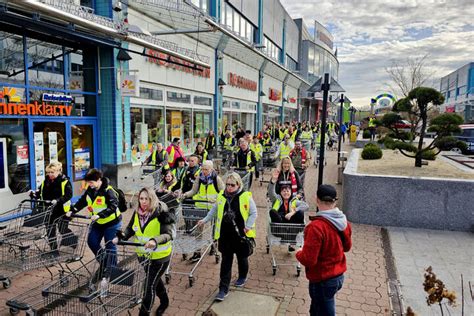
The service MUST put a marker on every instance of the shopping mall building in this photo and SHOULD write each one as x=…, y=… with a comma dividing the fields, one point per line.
x=95, y=83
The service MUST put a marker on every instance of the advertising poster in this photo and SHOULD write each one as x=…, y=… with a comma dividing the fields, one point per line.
x=82, y=162
x=129, y=86
x=76, y=83
x=53, y=146
x=39, y=158
x=206, y=123
x=199, y=128
x=21, y=154
x=176, y=124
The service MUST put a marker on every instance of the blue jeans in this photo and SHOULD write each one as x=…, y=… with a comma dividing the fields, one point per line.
x=97, y=232
x=322, y=296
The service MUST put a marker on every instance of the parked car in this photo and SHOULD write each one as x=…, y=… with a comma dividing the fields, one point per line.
x=467, y=136
x=403, y=124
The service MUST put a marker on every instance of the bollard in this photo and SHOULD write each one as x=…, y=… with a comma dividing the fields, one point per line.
x=340, y=169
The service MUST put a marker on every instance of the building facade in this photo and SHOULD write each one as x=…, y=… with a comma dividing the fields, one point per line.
x=97, y=84
x=458, y=91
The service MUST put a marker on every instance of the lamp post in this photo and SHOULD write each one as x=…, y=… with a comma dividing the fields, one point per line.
x=122, y=57
x=340, y=129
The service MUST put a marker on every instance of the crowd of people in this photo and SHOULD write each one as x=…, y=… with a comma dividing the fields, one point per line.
x=230, y=207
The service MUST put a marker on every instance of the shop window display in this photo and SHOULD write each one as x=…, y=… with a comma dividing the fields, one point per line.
x=11, y=59
x=178, y=124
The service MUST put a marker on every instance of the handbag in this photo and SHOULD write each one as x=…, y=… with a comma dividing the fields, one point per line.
x=247, y=244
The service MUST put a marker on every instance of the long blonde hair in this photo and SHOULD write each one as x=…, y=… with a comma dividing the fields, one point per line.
x=280, y=165
x=154, y=201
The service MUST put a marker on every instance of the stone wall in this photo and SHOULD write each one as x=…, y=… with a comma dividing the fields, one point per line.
x=445, y=204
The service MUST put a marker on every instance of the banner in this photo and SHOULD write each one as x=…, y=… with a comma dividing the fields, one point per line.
x=129, y=85
x=39, y=158
x=82, y=162
x=53, y=146
x=176, y=123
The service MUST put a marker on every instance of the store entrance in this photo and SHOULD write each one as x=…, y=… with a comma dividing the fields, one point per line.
x=71, y=143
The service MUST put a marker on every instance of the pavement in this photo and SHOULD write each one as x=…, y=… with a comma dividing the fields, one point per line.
x=364, y=291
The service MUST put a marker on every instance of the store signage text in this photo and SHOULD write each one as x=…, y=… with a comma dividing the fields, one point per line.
x=184, y=67
x=292, y=100
x=241, y=82
x=35, y=109
x=274, y=94
x=57, y=98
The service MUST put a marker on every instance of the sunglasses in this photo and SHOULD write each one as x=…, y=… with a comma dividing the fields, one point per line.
x=232, y=185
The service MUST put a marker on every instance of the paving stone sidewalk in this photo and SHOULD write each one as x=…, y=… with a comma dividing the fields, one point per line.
x=364, y=291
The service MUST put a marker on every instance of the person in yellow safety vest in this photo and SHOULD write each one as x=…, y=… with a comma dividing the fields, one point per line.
x=282, y=132
x=228, y=146
x=153, y=226
x=285, y=147
x=292, y=132
x=58, y=189
x=235, y=215
x=101, y=201
x=167, y=184
x=191, y=174
x=201, y=152
x=245, y=159
x=174, y=151
x=267, y=141
x=158, y=159
x=210, y=144
x=286, y=209
x=331, y=128
x=257, y=149
x=179, y=171
x=205, y=188
x=306, y=138
x=372, y=127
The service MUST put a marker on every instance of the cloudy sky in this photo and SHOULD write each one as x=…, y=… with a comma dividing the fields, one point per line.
x=370, y=35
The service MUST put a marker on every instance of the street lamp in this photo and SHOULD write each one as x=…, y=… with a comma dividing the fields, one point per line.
x=221, y=83
x=123, y=56
x=324, y=86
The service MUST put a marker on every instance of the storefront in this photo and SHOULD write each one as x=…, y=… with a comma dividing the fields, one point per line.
x=48, y=108
x=240, y=99
x=272, y=101
x=291, y=104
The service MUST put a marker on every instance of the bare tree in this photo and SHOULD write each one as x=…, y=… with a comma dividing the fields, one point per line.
x=408, y=75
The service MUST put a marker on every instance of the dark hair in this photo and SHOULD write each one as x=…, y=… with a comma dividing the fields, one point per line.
x=93, y=175
x=176, y=139
x=179, y=159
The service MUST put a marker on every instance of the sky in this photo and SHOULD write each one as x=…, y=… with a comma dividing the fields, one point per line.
x=371, y=35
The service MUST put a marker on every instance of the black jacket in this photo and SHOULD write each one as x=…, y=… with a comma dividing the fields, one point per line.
x=52, y=191
x=111, y=200
x=189, y=178
x=240, y=159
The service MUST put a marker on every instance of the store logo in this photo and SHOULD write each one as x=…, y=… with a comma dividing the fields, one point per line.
x=10, y=94
x=57, y=98
x=241, y=82
x=183, y=66
x=292, y=100
x=274, y=94
x=35, y=109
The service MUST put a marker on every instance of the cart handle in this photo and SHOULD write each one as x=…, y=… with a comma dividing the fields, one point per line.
x=129, y=243
x=37, y=200
x=190, y=231
x=191, y=201
x=80, y=216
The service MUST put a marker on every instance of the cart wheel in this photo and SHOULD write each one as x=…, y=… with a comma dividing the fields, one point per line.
x=14, y=311
x=191, y=281
x=268, y=249
x=298, y=272
x=184, y=256
x=6, y=283
x=274, y=270
x=218, y=259
x=168, y=278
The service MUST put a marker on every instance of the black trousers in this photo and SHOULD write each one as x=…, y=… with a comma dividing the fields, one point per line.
x=154, y=285
x=298, y=218
x=228, y=260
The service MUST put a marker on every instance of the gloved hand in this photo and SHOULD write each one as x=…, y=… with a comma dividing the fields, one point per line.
x=94, y=217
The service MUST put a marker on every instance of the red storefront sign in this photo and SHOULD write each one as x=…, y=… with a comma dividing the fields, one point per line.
x=241, y=82
x=206, y=73
x=292, y=100
x=35, y=108
x=274, y=94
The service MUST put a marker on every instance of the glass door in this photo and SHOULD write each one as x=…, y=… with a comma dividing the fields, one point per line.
x=82, y=141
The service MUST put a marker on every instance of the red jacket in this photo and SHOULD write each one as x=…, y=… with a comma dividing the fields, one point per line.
x=323, y=250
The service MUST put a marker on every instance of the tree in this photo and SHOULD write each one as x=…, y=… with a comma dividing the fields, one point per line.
x=417, y=105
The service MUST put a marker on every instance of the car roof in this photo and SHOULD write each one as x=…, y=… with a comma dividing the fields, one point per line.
x=466, y=126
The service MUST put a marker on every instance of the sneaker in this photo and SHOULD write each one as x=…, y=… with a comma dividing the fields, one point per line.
x=291, y=248
x=240, y=282
x=195, y=258
x=221, y=296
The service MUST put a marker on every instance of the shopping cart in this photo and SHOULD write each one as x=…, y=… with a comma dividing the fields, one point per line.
x=245, y=176
x=317, y=154
x=25, y=252
x=27, y=217
x=190, y=238
x=269, y=161
x=284, y=234
x=80, y=291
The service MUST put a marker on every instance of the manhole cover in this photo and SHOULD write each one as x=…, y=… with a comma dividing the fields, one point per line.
x=245, y=303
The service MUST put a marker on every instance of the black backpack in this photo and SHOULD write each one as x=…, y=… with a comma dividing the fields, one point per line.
x=122, y=202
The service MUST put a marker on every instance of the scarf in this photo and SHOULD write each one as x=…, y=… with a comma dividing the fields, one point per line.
x=207, y=179
x=143, y=216
x=294, y=184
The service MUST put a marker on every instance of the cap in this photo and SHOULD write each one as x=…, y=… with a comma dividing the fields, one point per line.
x=327, y=193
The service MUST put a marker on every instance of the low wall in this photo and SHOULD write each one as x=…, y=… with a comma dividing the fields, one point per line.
x=430, y=203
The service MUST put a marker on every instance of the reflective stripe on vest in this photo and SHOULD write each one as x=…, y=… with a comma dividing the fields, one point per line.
x=293, y=136
x=266, y=141
x=67, y=204
x=152, y=229
x=284, y=150
x=257, y=149
x=278, y=202
x=171, y=155
x=306, y=135
x=372, y=122
x=244, y=206
x=228, y=143
x=98, y=205
x=207, y=192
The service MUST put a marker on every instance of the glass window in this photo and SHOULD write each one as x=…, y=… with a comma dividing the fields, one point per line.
x=11, y=59
x=45, y=64
x=202, y=101
x=151, y=94
x=249, y=32
x=236, y=22
x=156, y=125
x=243, y=27
x=235, y=105
x=178, y=97
x=179, y=125
x=82, y=104
x=202, y=124
x=81, y=71
x=229, y=17
x=15, y=131
x=225, y=104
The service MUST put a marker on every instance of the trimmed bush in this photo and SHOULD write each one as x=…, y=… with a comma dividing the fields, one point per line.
x=428, y=155
x=450, y=142
x=402, y=135
x=371, y=151
x=366, y=134
x=404, y=146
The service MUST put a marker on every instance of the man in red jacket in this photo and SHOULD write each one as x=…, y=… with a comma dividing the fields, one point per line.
x=326, y=239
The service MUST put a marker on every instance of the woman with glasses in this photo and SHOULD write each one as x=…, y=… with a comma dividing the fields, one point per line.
x=235, y=215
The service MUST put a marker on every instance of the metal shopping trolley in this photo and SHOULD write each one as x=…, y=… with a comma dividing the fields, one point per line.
x=269, y=161
x=80, y=291
x=27, y=217
x=191, y=238
x=317, y=154
x=284, y=234
x=31, y=251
